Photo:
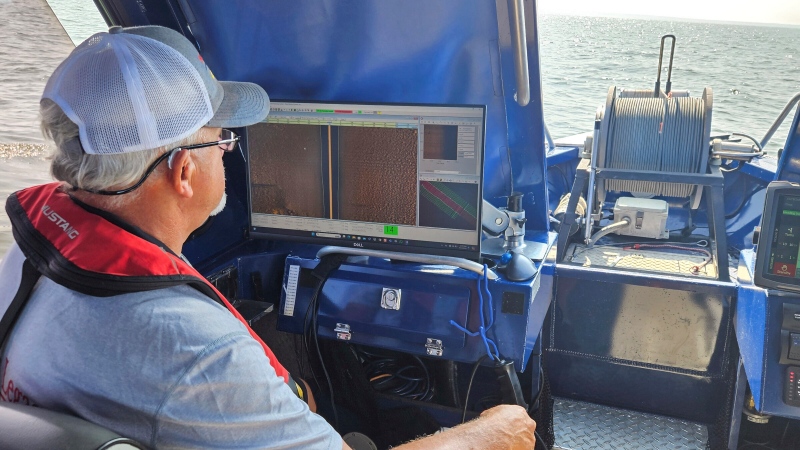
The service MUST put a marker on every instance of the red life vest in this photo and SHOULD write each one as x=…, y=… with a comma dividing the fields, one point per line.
x=87, y=253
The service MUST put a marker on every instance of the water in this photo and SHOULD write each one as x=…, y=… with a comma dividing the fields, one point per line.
x=752, y=70
x=33, y=45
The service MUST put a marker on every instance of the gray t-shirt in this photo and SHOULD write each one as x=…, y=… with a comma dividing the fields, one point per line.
x=170, y=368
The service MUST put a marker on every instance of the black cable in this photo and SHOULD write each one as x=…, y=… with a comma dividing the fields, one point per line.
x=307, y=330
x=564, y=178
x=538, y=394
x=741, y=204
x=386, y=375
x=469, y=386
x=726, y=168
x=539, y=441
x=690, y=227
x=428, y=385
x=325, y=267
x=319, y=353
x=785, y=429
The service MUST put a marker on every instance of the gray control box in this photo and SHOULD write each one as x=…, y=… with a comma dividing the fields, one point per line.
x=647, y=217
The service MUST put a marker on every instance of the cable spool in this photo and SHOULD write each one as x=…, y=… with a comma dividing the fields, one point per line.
x=663, y=134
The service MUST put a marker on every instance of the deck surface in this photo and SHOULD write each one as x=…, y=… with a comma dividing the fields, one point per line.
x=581, y=425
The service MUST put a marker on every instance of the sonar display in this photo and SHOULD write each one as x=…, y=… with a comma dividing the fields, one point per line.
x=378, y=173
x=448, y=205
x=388, y=176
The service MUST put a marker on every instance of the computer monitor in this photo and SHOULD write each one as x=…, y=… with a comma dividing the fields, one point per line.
x=397, y=177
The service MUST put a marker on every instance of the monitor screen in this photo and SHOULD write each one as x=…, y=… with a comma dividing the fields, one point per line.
x=381, y=176
x=779, y=246
x=784, y=243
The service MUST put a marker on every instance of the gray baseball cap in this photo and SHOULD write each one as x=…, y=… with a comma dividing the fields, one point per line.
x=141, y=88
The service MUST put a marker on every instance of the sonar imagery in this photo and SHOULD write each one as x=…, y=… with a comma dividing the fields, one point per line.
x=376, y=164
x=334, y=172
x=441, y=142
x=448, y=205
x=285, y=166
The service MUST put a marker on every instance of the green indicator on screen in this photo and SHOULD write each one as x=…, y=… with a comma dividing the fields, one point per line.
x=325, y=111
x=789, y=212
x=390, y=230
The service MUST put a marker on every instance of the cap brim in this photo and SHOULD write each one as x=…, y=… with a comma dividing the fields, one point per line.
x=242, y=105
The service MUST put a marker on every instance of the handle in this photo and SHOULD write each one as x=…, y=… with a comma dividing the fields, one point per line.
x=520, y=47
x=413, y=257
x=657, y=91
x=509, y=384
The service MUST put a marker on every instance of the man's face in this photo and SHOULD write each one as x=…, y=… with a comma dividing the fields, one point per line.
x=211, y=174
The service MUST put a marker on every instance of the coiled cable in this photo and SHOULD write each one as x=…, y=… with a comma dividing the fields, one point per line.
x=655, y=134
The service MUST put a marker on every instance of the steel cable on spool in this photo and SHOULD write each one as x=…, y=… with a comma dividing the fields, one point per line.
x=655, y=134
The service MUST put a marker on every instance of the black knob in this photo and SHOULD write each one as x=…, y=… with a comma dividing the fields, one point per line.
x=515, y=202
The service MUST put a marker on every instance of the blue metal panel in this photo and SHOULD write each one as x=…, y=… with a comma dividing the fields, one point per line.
x=763, y=169
x=758, y=329
x=416, y=51
x=789, y=165
x=773, y=375
x=431, y=296
x=744, y=201
x=751, y=319
x=425, y=309
x=560, y=155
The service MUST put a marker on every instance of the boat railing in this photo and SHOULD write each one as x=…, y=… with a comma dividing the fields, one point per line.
x=780, y=119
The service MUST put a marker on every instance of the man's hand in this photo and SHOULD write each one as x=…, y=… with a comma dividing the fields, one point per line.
x=502, y=427
x=514, y=425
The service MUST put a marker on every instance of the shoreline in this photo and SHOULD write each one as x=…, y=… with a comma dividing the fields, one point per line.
x=24, y=150
x=21, y=165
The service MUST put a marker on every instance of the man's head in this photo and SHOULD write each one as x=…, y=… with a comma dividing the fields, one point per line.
x=123, y=99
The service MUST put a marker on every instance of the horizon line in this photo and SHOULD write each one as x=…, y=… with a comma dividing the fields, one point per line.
x=672, y=18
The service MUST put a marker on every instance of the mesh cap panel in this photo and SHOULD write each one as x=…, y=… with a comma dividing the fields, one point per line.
x=129, y=93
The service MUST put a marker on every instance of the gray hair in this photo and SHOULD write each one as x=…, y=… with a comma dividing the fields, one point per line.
x=93, y=172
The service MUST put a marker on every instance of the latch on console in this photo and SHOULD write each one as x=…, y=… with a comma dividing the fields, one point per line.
x=343, y=331
x=434, y=347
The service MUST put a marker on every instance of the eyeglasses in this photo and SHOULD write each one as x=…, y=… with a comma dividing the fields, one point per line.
x=228, y=142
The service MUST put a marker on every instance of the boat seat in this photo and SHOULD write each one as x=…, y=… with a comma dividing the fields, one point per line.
x=30, y=428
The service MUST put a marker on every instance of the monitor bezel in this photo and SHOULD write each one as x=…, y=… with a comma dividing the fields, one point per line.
x=762, y=278
x=254, y=232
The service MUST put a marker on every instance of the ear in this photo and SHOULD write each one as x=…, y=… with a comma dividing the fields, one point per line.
x=182, y=173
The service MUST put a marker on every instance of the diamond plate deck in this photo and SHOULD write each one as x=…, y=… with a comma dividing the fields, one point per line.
x=648, y=260
x=580, y=425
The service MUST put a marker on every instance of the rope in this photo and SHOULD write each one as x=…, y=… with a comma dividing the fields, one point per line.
x=656, y=134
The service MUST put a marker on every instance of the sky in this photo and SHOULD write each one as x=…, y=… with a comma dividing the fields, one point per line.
x=763, y=11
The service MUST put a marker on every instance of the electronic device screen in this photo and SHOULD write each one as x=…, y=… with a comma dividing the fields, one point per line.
x=381, y=176
x=779, y=243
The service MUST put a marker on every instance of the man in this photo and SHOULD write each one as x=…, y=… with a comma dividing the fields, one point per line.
x=118, y=327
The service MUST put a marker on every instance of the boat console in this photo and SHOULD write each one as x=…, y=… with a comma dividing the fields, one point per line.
x=768, y=309
x=395, y=191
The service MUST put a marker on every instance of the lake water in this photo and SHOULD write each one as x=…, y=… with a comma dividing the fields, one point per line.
x=752, y=70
